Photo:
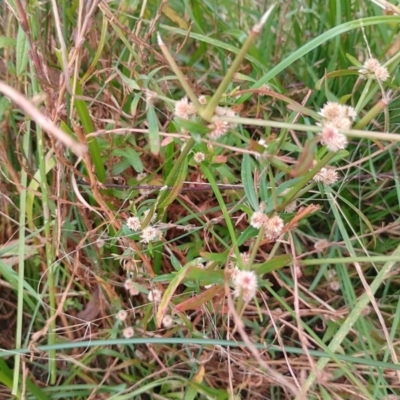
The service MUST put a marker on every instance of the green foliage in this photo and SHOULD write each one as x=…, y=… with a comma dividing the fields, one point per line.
x=326, y=304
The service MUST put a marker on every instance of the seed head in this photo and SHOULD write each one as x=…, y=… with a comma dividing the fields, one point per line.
x=258, y=219
x=326, y=176
x=334, y=285
x=150, y=234
x=154, y=295
x=128, y=332
x=217, y=129
x=273, y=227
x=122, y=314
x=332, y=139
x=167, y=321
x=372, y=69
x=133, y=223
x=184, y=108
x=245, y=283
x=321, y=244
x=199, y=157
x=202, y=100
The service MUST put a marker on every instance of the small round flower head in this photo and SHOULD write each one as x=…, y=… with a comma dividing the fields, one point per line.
x=100, y=243
x=337, y=115
x=334, y=285
x=133, y=223
x=321, y=244
x=374, y=70
x=217, y=129
x=258, y=219
x=331, y=273
x=154, y=295
x=202, y=100
x=122, y=314
x=350, y=112
x=150, y=234
x=128, y=332
x=167, y=321
x=184, y=108
x=199, y=157
x=326, y=176
x=245, y=283
x=140, y=355
x=274, y=227
x=332, y=139
x=331, y=177
x=224, y=111
x=291, y=207
x=331, y=111
x=128, y=284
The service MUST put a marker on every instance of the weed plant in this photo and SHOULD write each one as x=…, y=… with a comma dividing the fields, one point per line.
x=199, y=199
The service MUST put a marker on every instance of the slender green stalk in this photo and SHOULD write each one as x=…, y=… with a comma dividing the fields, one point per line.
x=174, y=170
x=311, y=128
x=372, y=113
x=182, y=79
x=208, y=112
x=47, y=233
x=210, y=177
x=21, y=262
x=351, y=260
x=361, y=101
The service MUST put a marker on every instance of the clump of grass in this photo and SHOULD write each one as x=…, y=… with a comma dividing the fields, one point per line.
x=227, y=224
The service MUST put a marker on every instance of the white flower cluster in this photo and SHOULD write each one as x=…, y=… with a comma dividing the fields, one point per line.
x=148, y=234
x=245, y=284
x=372, y=69
x=273, y=226
x=335, y=116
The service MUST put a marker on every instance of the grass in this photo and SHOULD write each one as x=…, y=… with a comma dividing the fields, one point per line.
x=91, y=136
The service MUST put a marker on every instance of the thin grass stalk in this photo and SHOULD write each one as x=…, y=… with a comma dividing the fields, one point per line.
x=311, y=128
x=208, y=112
x=179, y=74
x=174, y=170
x=47, y=231
x=210, y=177
x=21, y=262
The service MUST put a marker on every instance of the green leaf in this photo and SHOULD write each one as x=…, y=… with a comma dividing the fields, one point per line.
x=173, y=194
x=4, y=104
x=191, y=126
x=276, y=263
x=154, y=137
x=7, y=41
x=131, y=156
x=248, y=182
x=120, y=167
x=21, y=52
x=353, y=60
x=130, y=82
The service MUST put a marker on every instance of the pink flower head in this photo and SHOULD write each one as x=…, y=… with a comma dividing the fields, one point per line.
x=245, y=283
